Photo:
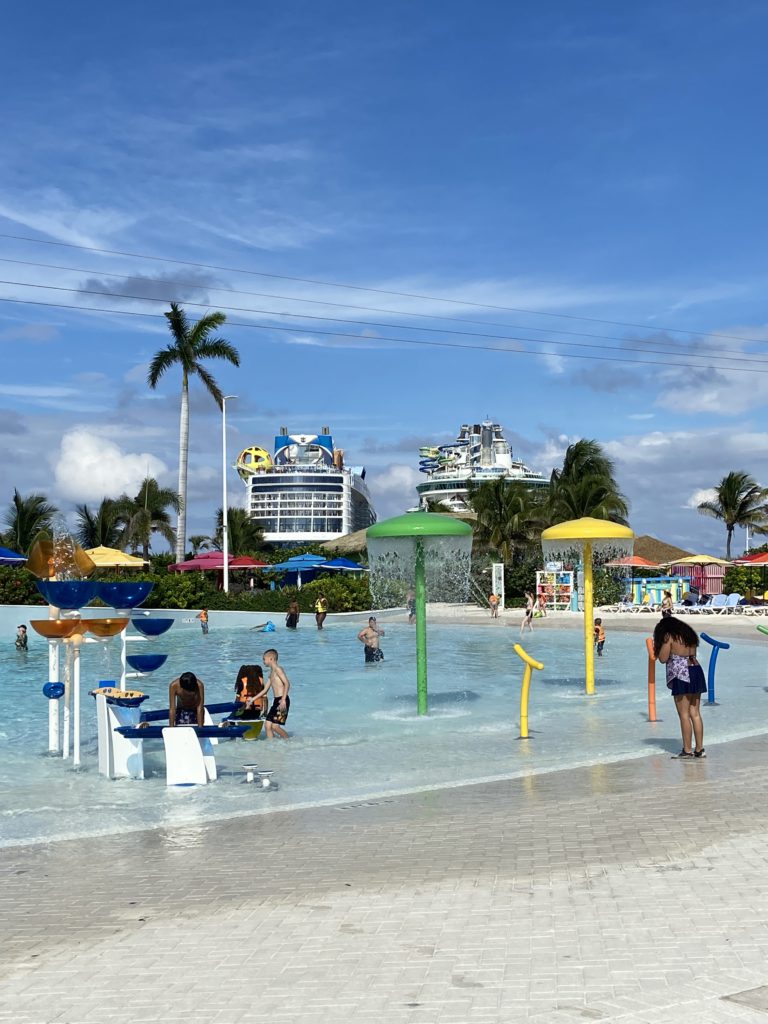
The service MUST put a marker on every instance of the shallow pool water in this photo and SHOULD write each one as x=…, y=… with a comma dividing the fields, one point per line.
x=355, y=731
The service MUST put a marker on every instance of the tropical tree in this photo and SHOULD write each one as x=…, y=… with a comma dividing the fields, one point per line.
x=192, y=343
x=25, y=518
x=245, y=536
x=146, y=514
x=585, y=486
x=739, y=501
x=99, y=527
x=199, y=543
x=509, y=516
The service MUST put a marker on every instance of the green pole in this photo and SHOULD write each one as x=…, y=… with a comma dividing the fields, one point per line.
x=421, y=628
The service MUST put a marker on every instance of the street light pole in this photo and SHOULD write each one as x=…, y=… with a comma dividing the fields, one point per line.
x=224, y=518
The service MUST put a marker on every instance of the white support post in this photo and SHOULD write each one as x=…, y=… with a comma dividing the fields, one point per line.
x=497, y=584
x=76, y=707
x=53, y=705
x=123, y=654
x=65, y=748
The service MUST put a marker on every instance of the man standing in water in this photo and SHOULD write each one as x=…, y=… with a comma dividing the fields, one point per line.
x=369, y=637
x=277, y=715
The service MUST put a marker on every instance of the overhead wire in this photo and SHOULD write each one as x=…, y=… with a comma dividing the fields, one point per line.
x=400, y=341
x=366, y=288
x=714, y=354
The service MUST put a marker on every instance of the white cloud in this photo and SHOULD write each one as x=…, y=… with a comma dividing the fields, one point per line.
x=394, y=489
x=705, y=494
x=89, y=467
x=53, y=213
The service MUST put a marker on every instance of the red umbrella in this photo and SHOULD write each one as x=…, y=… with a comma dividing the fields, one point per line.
x=631, y=562
x=246, y=562
x=761, y=558
x=210, y=560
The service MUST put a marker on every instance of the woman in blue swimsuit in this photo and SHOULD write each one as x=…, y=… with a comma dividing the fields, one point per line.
x=675, y=645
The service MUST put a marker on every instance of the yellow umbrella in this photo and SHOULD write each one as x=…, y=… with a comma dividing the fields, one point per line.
x=582, y=539
x=698, y=560
x=111, y=558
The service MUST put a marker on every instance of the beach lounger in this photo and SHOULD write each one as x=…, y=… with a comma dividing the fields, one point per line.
x=732, y=605
x=715, y=606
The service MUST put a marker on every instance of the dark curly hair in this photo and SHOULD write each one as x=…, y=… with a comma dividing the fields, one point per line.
x=675, y=628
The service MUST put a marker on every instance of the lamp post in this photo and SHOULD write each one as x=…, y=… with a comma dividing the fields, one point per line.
x=224, y=525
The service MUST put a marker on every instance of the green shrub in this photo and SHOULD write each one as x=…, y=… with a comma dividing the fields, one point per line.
x=18, y=586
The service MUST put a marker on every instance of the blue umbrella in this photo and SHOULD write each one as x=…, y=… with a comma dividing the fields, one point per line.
x=342, y=565
x=299, y=564
x=8, y=557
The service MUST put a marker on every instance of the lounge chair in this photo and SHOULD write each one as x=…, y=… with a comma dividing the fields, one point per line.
x=715, y=606
x=732, y=605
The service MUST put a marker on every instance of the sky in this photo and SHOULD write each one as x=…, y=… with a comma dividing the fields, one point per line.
x=413, y=215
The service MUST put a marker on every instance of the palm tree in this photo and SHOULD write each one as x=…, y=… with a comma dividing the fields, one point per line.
x=739, y=501
x=509, y=516
x=98, y=528
x=199, y=543
x=146, y=514
x=586, y=486
x=25, y=519
x=245, y=536
x=192, y=342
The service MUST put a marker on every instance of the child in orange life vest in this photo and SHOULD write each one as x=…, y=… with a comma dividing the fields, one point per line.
x=599, y=637
x=251, y=692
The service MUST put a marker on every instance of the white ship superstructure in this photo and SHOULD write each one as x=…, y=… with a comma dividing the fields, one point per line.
x=303, y=493
x=479, y=454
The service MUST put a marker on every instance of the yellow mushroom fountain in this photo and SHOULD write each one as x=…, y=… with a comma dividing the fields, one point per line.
x=582, y=540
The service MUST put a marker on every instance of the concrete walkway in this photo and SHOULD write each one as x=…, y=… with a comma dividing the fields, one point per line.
x=633, y=892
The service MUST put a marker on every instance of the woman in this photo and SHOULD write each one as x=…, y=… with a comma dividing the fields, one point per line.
x=675, y=645
x=251, y=692
x=321, y=610
x=666, y=604
x=186, y=700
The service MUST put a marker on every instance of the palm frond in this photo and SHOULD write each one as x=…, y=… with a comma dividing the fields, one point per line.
x=218, y=348
x=210, y=383
x=161, y=362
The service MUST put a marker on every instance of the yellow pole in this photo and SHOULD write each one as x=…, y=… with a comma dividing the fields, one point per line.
x=589, y=626
x=530, y=664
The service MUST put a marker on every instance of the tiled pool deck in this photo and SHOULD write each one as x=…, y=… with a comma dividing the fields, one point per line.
x=633, y=892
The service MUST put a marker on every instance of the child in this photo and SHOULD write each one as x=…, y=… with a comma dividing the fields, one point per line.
x=251, y=692
x=530, y=605
x=203, y=616
x=22, y=642
x=599, y=637
x=281, y=705
x=493, y=601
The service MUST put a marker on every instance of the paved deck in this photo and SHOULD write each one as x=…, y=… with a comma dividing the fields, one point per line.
x=633, y=892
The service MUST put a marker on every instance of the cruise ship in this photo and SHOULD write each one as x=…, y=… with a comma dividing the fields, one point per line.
x=303, y=493
x=479, y=454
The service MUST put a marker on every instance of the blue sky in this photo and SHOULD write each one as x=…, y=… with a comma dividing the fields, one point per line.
x=596, y=160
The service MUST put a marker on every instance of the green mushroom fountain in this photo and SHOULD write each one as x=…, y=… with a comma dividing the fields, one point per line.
x=428, y=551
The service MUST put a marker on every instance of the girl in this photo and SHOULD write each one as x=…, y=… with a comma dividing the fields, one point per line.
x=251, y=692
x=530, y=604
x=675, y=645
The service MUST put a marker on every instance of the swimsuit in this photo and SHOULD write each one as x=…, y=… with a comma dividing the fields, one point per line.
x=186, y=716
x=373, y=654
x=277, y=714
x=291, y=620
x=685, y=675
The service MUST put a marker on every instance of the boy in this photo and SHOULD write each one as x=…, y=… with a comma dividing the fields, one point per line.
x=369, y=638
x=22, y=642
x=203, y=616
x=276, y=717
x=599, y=637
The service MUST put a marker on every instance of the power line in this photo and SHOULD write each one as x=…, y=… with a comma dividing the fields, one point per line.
x=714, y=354
x=364, y=288
x=402, y=341
x=325, y=302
